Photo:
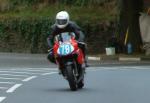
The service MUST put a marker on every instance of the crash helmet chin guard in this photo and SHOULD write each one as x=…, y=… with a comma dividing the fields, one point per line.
x=62, y=19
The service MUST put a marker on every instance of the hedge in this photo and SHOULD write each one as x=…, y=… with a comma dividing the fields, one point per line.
x=29, y=35
x=25, y=24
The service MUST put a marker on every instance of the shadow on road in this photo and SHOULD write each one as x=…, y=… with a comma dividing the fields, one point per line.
x=56, y=90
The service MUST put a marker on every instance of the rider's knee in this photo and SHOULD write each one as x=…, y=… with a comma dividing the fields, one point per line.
x=82, y=46
x=51, y=58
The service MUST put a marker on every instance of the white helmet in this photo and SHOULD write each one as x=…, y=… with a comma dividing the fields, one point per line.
x=62, y=19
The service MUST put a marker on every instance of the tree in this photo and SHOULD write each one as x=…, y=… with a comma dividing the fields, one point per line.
x=129, y=20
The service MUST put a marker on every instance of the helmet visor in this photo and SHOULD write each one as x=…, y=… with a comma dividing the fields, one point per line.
x=61, y=21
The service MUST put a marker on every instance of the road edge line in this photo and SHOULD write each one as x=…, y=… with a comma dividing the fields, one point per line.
x=129, y=59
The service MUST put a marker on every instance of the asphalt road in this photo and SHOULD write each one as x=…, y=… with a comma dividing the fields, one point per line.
x=28, y=78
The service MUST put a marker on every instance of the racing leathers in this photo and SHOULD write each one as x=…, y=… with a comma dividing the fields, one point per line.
x=71, y=27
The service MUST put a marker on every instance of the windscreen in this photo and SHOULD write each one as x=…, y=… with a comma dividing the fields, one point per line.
x=66, y=36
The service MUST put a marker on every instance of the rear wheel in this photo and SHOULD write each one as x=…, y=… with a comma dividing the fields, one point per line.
x=71, y=78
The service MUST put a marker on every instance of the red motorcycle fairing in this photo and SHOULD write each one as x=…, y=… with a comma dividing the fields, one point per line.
x=77, y=54
x=70, y=59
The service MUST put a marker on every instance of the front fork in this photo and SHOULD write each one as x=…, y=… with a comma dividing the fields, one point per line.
x=74, y=67
x=78, y=71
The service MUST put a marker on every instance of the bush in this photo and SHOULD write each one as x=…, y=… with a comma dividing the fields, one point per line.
x=29, y=35
x=25, y=24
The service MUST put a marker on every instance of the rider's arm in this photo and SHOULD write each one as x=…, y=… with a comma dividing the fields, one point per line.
x=49, y=41
x=79, y=34
x=50, y=38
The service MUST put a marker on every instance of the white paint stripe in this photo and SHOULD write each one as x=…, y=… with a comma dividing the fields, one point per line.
x=6, y=82
x=3, y=88
x=133, y=67
x=27, y=79
x=2, y=98
x=10, y=78
x=107, y=68
x=13, y=88
x=118, y=68
x=19, y=72
x=32, y=70
x=50, y=73
x=24, y=70
x=47, y=69
x=42, y=69
x=14, y=75
x=124, y=69
x=141, y=67
x=94, y=58
x=129, y=59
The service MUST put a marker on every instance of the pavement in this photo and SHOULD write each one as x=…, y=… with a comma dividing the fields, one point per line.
x=21, y=59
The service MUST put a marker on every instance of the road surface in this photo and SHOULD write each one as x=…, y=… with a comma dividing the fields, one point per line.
x=28, y=78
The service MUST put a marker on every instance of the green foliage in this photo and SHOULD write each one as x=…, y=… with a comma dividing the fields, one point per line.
x=31, y=33
x=26, y=2
x=83, y=2
x=8, y=5
x=25, y=24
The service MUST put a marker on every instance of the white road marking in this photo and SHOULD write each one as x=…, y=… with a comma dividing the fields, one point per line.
x=30, y=70
x=14, y=75
x=119, y=68
x=129, y=59
x=101, y=68
x=139, y=67
x=10, y=78
x=3, y=88
x=94, y=58
x=13, y=88
x=18, y=72
x=50, y=73
x=47, y=69
x=24, y=68
x=2, y=98
x=27, y=79
x=6, y=82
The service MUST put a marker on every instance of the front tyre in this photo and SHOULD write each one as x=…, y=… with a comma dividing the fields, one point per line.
x=81, y=84
x=71, y=78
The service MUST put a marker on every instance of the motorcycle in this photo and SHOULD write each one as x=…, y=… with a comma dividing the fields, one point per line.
x=70, y=59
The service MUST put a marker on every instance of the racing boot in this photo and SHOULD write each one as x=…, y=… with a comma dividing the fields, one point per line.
x=86, y=63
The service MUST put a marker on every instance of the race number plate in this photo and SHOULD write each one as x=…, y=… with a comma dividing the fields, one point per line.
x=65, y=49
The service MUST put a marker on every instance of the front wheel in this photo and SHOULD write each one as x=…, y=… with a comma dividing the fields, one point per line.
x=71, y=78
x=81, y=84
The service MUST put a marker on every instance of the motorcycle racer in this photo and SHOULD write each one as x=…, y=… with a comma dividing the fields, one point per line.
x=63, y=24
